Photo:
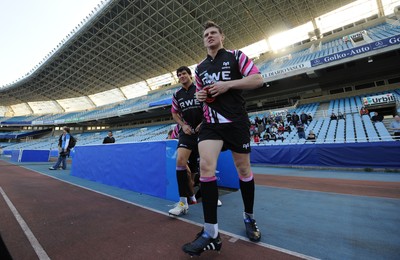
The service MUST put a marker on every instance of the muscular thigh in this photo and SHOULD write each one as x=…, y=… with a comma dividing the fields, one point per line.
x=209, y=151
x=183, y=156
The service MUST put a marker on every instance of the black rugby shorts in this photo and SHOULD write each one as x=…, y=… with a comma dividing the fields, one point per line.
x=236, y=135
x=187, y=141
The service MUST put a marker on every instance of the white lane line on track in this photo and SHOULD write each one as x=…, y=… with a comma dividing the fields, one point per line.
x=42, y=255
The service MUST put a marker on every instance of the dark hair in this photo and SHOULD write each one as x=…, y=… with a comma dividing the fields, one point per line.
x=183, y=68
x=210, y=24
x=66, y=128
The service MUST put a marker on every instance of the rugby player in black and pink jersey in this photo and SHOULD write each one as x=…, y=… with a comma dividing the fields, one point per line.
x=187, y=112
x=220, y=79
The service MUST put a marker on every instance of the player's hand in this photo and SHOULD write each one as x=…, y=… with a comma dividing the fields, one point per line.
x=187, y=129
x=197, y=128
x=218, y=88
x=201, y=95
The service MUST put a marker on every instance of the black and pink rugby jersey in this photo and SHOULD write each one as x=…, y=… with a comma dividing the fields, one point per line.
x=185, y=104
x=227, y=65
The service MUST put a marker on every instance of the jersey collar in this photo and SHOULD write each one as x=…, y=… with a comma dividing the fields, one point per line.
x=218, y=53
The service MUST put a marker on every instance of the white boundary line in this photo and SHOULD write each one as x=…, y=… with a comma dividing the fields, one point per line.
x=28, y=233
x=279, y=249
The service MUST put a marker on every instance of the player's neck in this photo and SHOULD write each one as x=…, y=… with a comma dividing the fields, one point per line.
x=187, y=84
x=213, y=51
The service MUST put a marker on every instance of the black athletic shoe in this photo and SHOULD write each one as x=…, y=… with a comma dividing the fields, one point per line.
x=202, y=243
x=252, y=231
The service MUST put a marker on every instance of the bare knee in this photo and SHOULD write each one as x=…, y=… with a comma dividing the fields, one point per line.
x=183, y=157
x=244, y=171
x=242, y=166
x=181, y=161
x=207, y=168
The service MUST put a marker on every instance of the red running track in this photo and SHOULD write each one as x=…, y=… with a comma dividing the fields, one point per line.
x=70, y=222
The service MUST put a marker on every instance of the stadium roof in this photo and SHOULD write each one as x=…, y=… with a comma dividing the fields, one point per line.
x=130, y=41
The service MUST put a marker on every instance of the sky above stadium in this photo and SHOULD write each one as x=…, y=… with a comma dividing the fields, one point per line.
x=32, y=29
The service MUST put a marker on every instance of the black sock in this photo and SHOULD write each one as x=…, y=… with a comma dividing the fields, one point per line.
x=181, y=176
x=247, y=189
x=209, y=192
x=198, y=194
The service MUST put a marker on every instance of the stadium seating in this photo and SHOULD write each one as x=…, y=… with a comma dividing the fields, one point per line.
x=353, y=129
x=373, y=34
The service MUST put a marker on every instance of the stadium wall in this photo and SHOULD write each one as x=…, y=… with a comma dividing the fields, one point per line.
x=350, y=155
x=144, y=167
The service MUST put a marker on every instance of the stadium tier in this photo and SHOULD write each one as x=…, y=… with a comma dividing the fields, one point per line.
x=352, y=128
x=129, y=106
x=373, y=38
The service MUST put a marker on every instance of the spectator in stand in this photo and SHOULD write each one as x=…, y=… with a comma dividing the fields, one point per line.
x=288, y=128
x=260, y=125
x=340, y=116
x=270, y=119
x=278, y=118
x=309, y=118
x=295, y=118
x=364, y=111
x=266, y=136
x=311, y=136
x=257, y=121
x=376, y=117
x=256, y=139
x=272, y=137
x=300, y=130
x=288, y=118
x=279, y=136
x=281, y=128
x=265, y=121
x=304, y=118
x=252, y=128
x=395, y=126
x=273, y=129
x=256, y=129
x=333, y=116
x=267, y=129
x=109, y=139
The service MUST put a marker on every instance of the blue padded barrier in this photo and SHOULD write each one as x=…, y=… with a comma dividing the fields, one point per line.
x=7, y=152
x=226, y=171
x=359, y=155
x=54, y=153
x=15, y=155
x=35, y=156
x=141, y=167
x=145, y=167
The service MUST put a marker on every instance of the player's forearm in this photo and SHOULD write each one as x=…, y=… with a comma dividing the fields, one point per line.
x=178, y=119
x=249, y=82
